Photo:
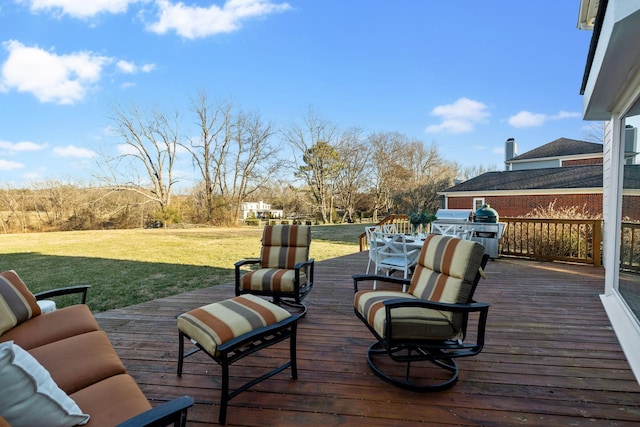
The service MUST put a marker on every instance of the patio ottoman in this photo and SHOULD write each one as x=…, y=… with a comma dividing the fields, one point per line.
x=234, y=328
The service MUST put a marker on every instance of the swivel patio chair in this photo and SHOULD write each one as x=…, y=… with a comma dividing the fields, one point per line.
x=284, y=270
x=429, y=322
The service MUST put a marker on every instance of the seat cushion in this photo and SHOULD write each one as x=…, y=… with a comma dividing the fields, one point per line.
x=77, y=362
x=446, y=269
x=271, y=280
x=215, y=324
x=51, y=327
x=111, y=401
x=283, y=246
x=17, y=303
x=408, y=322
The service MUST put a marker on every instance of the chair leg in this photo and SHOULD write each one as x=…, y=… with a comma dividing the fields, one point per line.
x=180, y=352
x=224, y=393
x=292, y=351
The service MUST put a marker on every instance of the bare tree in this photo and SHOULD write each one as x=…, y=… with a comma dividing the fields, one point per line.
x=429, y=173
x=390, y=170
x=233, y=154
x=595, y=132
x=352, y=176
x=149, y=140
x=317, y=162
x=14, y=210
x=476, y=170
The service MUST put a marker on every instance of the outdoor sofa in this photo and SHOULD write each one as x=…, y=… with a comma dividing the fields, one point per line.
x=60, y=369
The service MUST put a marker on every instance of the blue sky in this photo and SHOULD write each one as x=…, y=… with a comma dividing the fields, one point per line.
x=464, y=75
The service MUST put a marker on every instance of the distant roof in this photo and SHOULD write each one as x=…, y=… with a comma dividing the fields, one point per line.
x=588, y=176
x=559, y=148
x=532, y=179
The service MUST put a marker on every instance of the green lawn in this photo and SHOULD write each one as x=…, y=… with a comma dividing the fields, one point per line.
x=127, y=267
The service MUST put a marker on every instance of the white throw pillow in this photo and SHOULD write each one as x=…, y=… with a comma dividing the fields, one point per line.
x=30, y=397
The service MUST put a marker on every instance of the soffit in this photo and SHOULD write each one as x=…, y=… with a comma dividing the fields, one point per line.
x=615, y=70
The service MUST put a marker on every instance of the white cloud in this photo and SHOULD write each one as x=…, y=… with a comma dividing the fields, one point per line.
x=79, y=8
x=7, y=165
x=73, y=151
x=193, y=22
x=147, y=68
x=528, y=119
x=21, y=146
x=566, y=115
x=61, y=79
x=459, y=117
x=128, y=67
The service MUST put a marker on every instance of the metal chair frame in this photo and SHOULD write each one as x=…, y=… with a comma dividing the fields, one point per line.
x=441, y=353
x=242, y=346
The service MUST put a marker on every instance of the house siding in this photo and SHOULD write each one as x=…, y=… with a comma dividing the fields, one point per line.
x=582, y=162
x=630, y=208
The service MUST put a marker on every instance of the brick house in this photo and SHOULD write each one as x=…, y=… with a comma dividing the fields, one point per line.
x=565, y=172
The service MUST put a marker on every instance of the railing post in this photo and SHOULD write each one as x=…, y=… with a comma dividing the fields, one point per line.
x=597, y=243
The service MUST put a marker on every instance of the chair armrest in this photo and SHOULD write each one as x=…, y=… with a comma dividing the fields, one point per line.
x=434, y=305
x=172, y=412
x=461, y=349
x=247, y=261
x=81, y=289
x=302, y=264
x=378, y=277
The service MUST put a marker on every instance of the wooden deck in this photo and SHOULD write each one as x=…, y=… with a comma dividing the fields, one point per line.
x=551, y=358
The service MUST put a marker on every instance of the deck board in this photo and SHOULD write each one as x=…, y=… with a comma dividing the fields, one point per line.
x=551, y=358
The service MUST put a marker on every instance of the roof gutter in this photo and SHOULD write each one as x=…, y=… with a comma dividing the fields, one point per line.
x=602, y=7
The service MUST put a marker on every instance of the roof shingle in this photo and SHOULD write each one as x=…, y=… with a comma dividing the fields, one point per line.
x=559, y=148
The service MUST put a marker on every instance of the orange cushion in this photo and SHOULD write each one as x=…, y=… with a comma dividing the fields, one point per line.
x=51, y=327
x=77, y=362
x=111, y=401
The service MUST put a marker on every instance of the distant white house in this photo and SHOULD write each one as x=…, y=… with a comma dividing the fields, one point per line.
x=260, y=210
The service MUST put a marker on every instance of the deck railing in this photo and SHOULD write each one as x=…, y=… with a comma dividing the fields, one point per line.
x=630, y=247
x=549, y=239
x=574, y=240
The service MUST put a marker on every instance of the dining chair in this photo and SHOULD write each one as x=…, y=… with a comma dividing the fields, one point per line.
x=391, y=228
x=453, y=230
x=392, y=254
x=369, y=234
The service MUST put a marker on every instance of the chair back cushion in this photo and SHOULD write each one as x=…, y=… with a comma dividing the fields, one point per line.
x=446, y=269
x=283, y=246
x=17, y=303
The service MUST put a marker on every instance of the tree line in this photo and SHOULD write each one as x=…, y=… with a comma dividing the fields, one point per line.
x=307, y=169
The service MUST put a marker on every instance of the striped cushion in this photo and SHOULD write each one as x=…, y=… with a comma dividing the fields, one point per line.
x=446, y=269
x=271, y=280
x=214, y=324
x=408, y=323
x=283, y=246
x=17, y=304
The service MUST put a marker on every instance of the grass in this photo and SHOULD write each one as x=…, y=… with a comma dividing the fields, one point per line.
x=126, y=267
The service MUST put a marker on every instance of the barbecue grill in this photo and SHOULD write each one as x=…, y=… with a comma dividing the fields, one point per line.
x=486, y=233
